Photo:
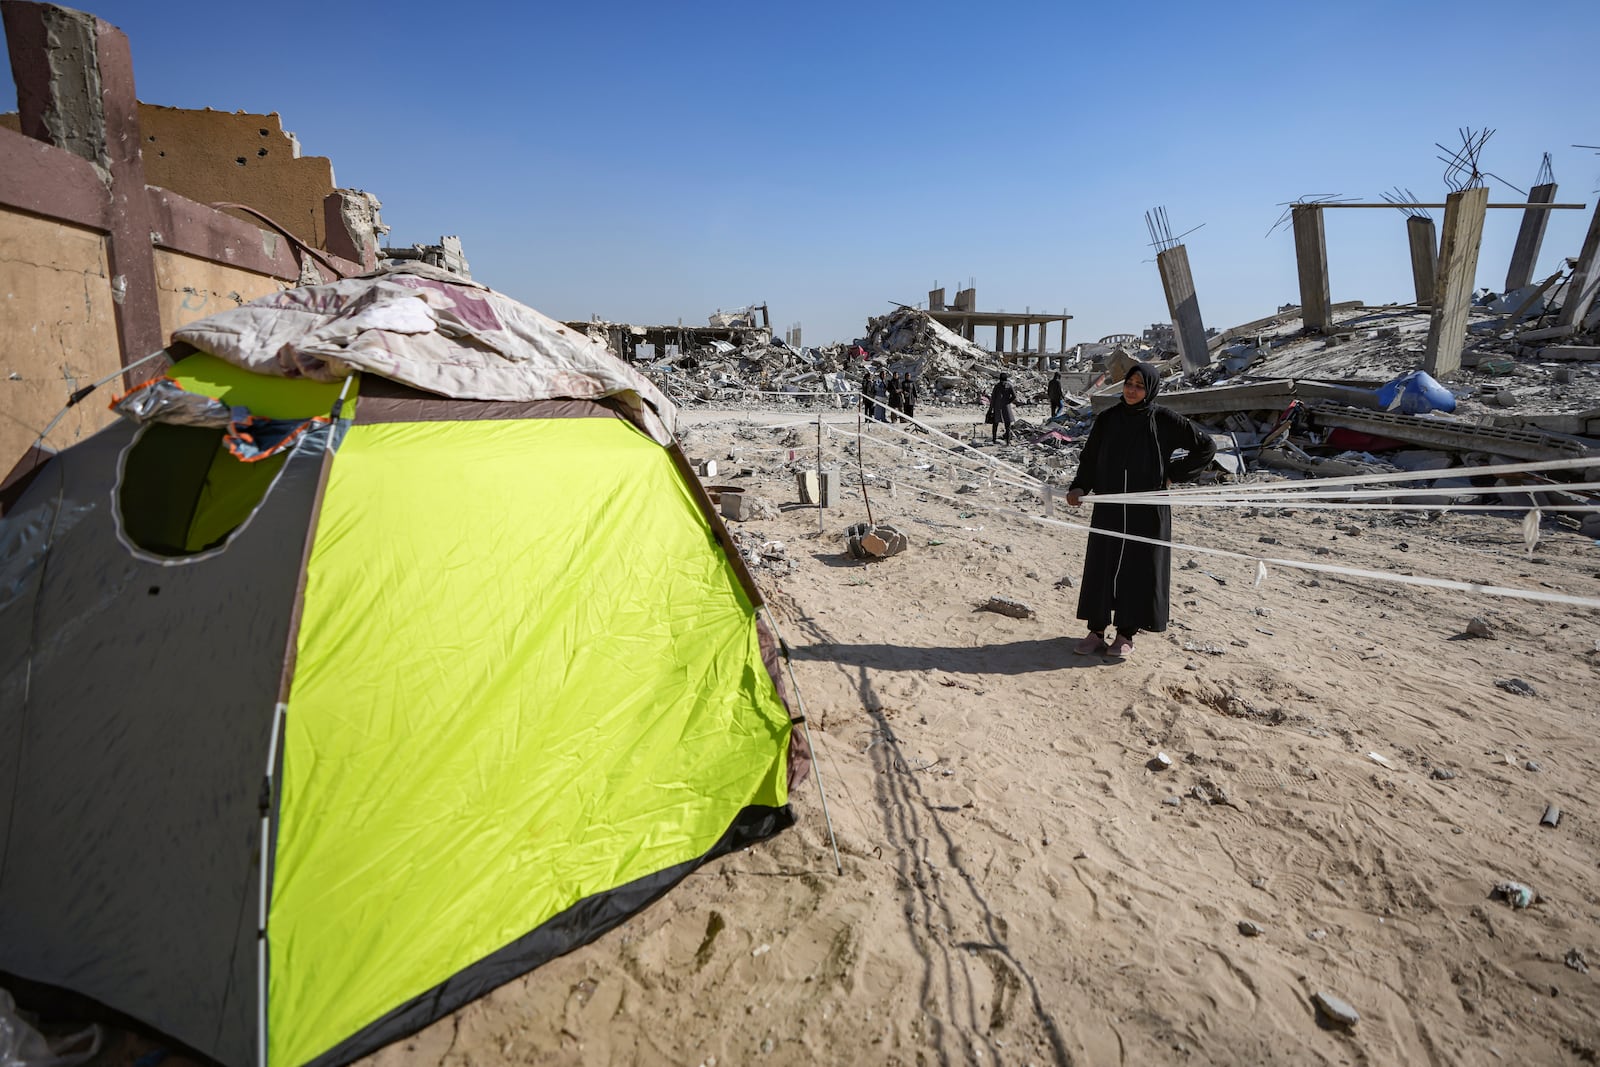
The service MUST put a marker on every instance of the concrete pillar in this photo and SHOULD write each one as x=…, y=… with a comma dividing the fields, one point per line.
x=1458, y=268
x=1423, y=237
x=1015, y=329
x=1187, y=327
x=1585, y=281
x=1311, y=256
x=1525, y=256
x=935, y=299
x=999, y=336
x=74, y=76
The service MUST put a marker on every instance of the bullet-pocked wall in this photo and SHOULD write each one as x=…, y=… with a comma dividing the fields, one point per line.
x=234, y=157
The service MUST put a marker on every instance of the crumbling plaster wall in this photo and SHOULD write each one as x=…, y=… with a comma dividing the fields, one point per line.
x=57, y=332
x=191, y=289
x=219, y=156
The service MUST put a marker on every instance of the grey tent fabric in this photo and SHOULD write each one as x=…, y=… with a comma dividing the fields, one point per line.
x=90, y=858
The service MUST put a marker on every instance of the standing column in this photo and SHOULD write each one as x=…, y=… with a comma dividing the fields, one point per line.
x=1015, y=329
x=1585, y=279
x=74, y=76
x=1458, y=268
x=1525, y=256
x=1423, y=237
x=1311, y=256
x=1187, y=327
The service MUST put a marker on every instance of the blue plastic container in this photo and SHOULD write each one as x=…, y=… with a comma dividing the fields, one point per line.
x=1416, y=394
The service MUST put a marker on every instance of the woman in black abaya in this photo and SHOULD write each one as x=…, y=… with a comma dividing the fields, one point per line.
x=1130, y=450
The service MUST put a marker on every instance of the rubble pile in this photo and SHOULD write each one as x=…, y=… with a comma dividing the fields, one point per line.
x=948, y=368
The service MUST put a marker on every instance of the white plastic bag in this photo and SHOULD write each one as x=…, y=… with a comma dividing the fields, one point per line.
x=23, y=1046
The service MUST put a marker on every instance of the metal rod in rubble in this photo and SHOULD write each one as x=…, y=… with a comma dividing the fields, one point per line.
x=861, y=470
x=820, y=495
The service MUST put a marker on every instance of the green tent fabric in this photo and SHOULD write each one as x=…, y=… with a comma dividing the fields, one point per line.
x=448, y=689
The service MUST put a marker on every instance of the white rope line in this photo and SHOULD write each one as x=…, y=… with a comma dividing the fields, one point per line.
x=994, y=478
x=1307, y=565
x=964, y=452
x=1325, y=568
x=1270, y=488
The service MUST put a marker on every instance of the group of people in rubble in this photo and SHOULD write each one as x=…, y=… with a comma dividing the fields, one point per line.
x=889, y=397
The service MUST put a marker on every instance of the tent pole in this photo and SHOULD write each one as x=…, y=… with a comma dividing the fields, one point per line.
x=805, y=725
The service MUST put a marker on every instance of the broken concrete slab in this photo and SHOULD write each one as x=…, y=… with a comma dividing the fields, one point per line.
x=1571, y=352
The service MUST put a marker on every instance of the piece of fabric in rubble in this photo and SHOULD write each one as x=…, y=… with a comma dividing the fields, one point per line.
x=431, y=330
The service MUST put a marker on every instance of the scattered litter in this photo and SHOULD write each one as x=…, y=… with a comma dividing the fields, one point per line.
x=1551, y=817
x=1249, y=929
x=1516, y=686
x=761, y=949
x=1441, y=774
x=1575, y=959
x=1514, y=893
x=1160, y=763
x=1375, y=758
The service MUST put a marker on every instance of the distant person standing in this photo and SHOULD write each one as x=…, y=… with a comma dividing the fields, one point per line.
x=880, y=395
x=908, y=396
x=1000, y=413
x=866, y=394
x=1055, y=395
x=896, y=400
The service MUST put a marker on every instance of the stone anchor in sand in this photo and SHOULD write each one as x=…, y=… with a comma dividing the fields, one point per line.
x=875, y=541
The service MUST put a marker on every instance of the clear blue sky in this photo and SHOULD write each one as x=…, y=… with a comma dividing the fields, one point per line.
x=651, y=162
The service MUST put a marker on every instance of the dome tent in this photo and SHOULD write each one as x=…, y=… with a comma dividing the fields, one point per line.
x=388, y=650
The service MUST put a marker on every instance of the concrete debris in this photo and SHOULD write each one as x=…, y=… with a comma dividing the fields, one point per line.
x=1279, y=404
x=1478, y=627
x=1001, y=605
x=1335, y=1010
x=741, y=506
x=1576, y=960
x=1516, y=686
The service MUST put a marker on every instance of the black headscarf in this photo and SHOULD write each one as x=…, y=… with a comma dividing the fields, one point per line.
x=1152, y=383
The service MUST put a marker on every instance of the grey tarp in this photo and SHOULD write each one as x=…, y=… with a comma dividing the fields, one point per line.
x=135, y=880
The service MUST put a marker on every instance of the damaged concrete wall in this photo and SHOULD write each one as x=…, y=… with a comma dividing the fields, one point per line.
x=190, y=289
x=217, y=156
x=58, y=331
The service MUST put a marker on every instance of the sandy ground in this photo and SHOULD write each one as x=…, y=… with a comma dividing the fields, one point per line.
x=1020, y=886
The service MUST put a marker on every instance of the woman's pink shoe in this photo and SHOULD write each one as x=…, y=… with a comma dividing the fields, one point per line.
x=1121, y=648
x=1093, y=645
